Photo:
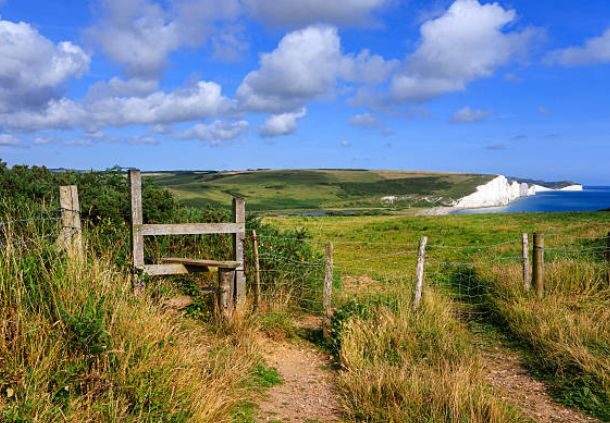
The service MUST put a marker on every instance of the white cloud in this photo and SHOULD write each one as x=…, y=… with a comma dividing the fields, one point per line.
x=466, y=43
x=468, y=115
x=217, y=132
x=199, y=101
x=33, y=68
x=281, y=124
x=305, y=65
x=365, y=120
x=140, y=34
x=345, y=143
x=8, y=140
x=595, y=50
x=306, y=12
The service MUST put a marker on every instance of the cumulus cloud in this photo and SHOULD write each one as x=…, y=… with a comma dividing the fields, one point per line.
x=33, y=68
x=281, y=124
x=306, y=12
x=466, y=43
x=199, y=101
x=217, y=132
x=468, y=115
x=140, y=34
x=8, y=140
x=595, y=50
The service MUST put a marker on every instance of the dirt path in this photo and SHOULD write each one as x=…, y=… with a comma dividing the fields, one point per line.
x=518, y=387
x=308, y=392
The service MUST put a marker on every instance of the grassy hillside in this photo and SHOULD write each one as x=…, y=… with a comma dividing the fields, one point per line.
x=320, y=189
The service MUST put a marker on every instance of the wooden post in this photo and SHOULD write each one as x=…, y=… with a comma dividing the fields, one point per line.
x=527, y=282
x=239, y=216
x=539, y=264
x=226, y=279
x=328, y=289
x=71, y=239
x=608, y=256
x=137, y=220
x=421, y=255
x=257, y=270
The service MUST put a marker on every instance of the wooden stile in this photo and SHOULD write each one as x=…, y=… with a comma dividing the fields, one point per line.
x=419, y=283
x=527, y=283
x=328, y=289
x=239, y=239
x=539, y=264
x=137, y=219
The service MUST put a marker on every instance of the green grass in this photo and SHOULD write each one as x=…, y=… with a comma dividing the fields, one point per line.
x=319, y=189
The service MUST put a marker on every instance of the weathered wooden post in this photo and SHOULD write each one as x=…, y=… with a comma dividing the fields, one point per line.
x=419, y=283
x=71, y=239
x=328, y=289
x=539, y=264
x=527, y=282
x=227, y=294
x=137, y=220
x=257, y=272
x=239, y=238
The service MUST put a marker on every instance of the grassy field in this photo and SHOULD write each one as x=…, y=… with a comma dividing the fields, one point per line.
x=320, y=189
x=474, y=269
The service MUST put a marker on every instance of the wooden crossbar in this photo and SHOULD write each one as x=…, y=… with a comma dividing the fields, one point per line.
x=192, y=229
x=221, y=264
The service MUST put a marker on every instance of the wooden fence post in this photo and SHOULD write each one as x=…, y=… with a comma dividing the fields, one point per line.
x=239, y=238
x=421, y=255
x=527, y=282
x=137, y=220
x=257, y=272
x=227, y=294
x=71, y=239
x=539, y=264
x=328, y=289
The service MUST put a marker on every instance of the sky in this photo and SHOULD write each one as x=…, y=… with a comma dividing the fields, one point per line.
x=513, y=87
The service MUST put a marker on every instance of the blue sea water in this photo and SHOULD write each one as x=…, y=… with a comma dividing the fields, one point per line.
x=590, y=199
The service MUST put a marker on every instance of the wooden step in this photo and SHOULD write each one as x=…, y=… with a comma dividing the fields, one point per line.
x=226, y=264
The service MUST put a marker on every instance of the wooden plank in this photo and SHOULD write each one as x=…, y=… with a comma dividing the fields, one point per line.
x=239, y=239
x=137, y=219
x=226, y=264
x=192, y=229
x=327, y=292
x=165, y=269
x=419, y=284
x=527, y=282
x=539, y=265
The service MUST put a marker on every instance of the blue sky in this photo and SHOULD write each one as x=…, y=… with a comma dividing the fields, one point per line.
x=515, y=87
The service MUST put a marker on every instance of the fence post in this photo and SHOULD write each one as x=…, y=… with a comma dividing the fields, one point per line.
x=539, y=264
x=421, y=255
x=239, y=216
x=257, y=271
x=71, y=238
x=328, y=288
x=137, y=220
x=226, y=291
x=527, y=282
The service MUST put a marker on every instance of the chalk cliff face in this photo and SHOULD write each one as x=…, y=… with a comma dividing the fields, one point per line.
x=500, y=192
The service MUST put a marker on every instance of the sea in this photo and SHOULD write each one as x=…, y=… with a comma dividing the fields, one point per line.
x=590, y=199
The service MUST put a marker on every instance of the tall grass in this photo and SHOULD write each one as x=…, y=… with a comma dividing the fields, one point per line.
x=405, y=366
x=567, y=333
x=75, y=345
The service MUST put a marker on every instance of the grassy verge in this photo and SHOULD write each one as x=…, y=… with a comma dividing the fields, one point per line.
x=75, y=345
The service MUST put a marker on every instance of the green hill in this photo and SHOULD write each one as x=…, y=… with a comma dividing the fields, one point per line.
x=320, y=189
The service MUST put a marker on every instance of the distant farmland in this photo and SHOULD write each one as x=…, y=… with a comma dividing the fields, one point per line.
x=320, y=189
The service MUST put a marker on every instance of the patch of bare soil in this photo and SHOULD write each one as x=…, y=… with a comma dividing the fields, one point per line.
x=518, y=387
x=308, y=393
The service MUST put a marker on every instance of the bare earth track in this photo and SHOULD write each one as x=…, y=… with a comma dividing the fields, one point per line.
x=308, y=393
x=518, y=387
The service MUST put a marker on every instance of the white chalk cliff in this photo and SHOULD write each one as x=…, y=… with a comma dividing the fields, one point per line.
x=500, y=192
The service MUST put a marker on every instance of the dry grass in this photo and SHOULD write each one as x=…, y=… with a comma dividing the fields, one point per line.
x=405, y=366
x=568, y=331
x=75, y=345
